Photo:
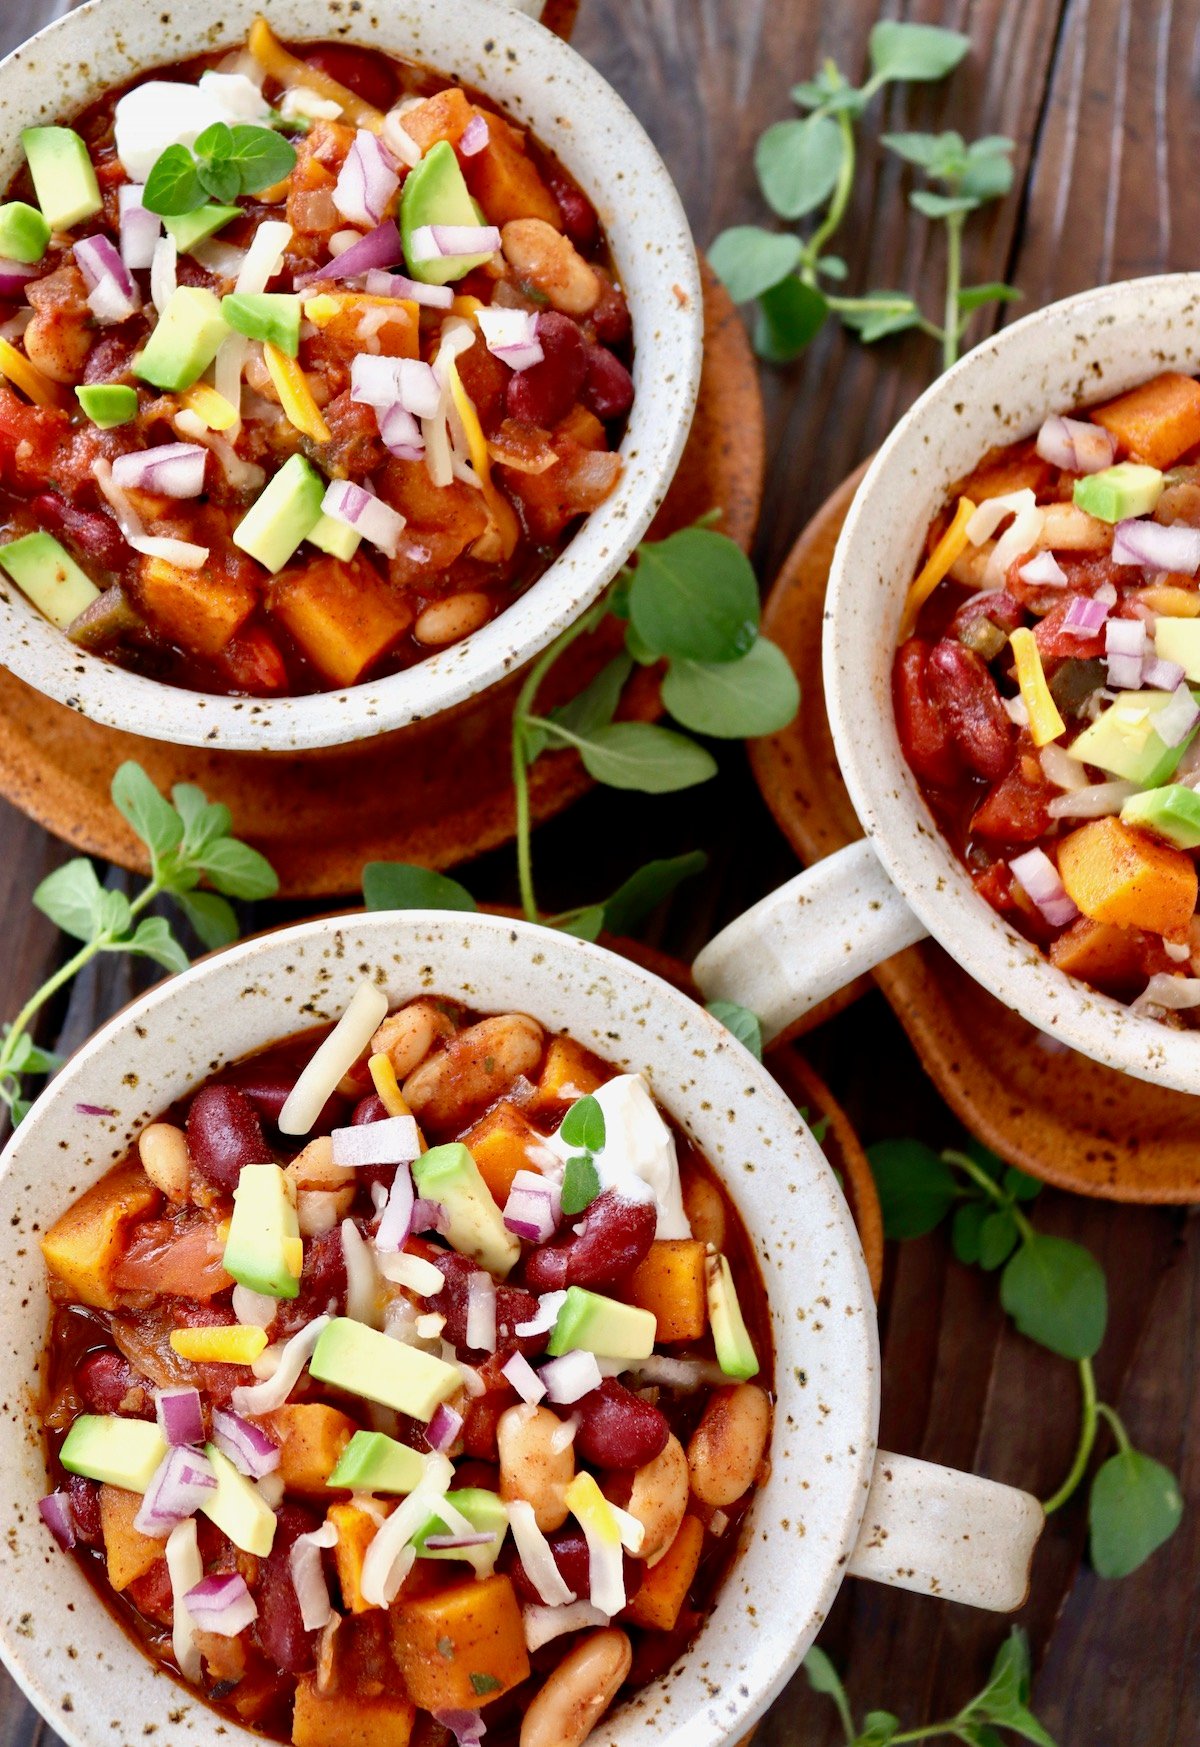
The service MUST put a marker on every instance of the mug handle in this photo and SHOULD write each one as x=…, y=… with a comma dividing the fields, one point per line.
x=837, y=919
x=943, y=1533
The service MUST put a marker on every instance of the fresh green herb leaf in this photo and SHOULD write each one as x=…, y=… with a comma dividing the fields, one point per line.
x=482, y=1684
x=580, y=1185
x=237, y=870
x=694, y=596
x=1135, y=1506
x=789, y=315
x=152, y=816
x=940, y=154
x=585, y=924
x=749, y=260
x=639, y=651
x=640, y=755
x=989, y=172
x=915, y=52
x=883, y=313
x=734, y=700
x=593, y=708
x=998, y=1236
x=215, y=143
x=1020, y=1186
x=633, y=901
x=173, y=186
x=966, y=1230
x=204, y=821
x=823, y=1677
x=973, y=297
x=583, y=1125
x=1055, y=1292
x=153, y=939
x=212, y=917
x=262, y=157
x=1004, y=1700
x=798, y=164
x=916, y=1188
x=832, y=266
x=220, y=179
x=879, y=1728
x=745, y=1026
x=71, y=897
x=397, y=885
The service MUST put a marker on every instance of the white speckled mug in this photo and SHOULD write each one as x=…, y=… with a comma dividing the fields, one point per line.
x=856, y=908
x=547, y=87
x=831, y=1504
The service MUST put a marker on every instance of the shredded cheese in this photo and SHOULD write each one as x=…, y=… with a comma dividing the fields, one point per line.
x=210, y=406
x=1045, y=723
x=234, y=1344
x=383, y=1078
x=274, y=59
x=295, y=396
x=937, y=565
x=28, y=378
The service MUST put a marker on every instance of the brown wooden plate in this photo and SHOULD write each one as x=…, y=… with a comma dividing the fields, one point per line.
x=1053, y=1113
x=437, y=792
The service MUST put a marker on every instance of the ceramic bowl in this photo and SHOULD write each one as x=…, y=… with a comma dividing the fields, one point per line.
x=544, y=85
x=925, y=1527
x=869, y=900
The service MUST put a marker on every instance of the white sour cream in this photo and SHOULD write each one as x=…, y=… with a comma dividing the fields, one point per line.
x=165, y=113
x=638, y=1156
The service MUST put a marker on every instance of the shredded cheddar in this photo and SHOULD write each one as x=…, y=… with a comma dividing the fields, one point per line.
x=210, y=406
x=28, y=378
x=295, y=396
x=503, y=516
x=234, y=1344
x=588, y=1504
x=937, y=566
x=274, y=59
x=383, y=1078
x=467, y=307
x=1045, y=723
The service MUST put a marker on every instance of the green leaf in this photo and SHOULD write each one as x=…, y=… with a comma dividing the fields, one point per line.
x=749, y=260
x=634, y=899
x=915, y=51
x=966, y=1228
x=19, y=1109
x=1134, y=1507
x=593, y=708
x=989, y=171
x=220, y=180
x=237, y=870
x=173, y=186
x=694, y=595
x=1055, y=1292
x=482, y=1684
x=938, y=153
x=262, y=157
x=28, y=1058
x=115, y=917
x=216, y=142
x=822, y=1675
x=1004, y=1700
x=734, y=700
x=916, y=1188
x=798, y=164
x=585, y=924
x=639, y=651
x=879, y=1728
x=892, y=312
x=583, y=1125
x=639, y=755
x=833, y=267
x=974, y=297
x=151, y=814
x=153, y=939
x=580, y=1184
x=212, y=917
x=789, y=314
x=745, y=1026
x=398, y=885
x=71, y=897
x=998, y=1237
x=941, y=205
x=203, y=820
x=1020, y=1186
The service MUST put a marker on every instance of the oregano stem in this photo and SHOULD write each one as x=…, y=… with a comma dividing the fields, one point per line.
x=1116, y=1426
x=1087, y=1439
x=840, y=198
x=951, y=321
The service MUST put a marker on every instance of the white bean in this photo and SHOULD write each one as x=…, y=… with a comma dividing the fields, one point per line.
x=727, y=1447
x=659, y=1499
x=163, y=1150
x=531, y=1467
x=577, y=1693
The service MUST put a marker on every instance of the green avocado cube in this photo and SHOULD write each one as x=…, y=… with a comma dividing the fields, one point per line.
x=189, y=229
x=339, y=539
x=1172, y=813
x=63, y=177
x=373, y=1462
x=273, y=316
x=485, y=1511
x=185, y=342
x=476, y=1228
x=113, y=1450
x=1179, y=640
x=108, y=404
x=1116, y=493
x=603, y=1326
x=363, y=1362
x=264, y=1251
x=49, y=577
x=1123, y=741
x=735, y=1349
x=284, y=513
x=435, y=193
x=238, y=1508
x=24, y=232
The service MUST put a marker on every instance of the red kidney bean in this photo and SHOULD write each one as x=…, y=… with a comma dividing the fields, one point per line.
x=368, y=75
x=108, y=1383
x=610, y=319
x=280, y=1627
x=544, y=394
x=322, y=1285
x=480, y=1420
x=608, y=386
x=570, y=1551
x=616, y=1236
x=224, y=1133
x=1002, y=608
x=924, y=737
x=578, y=214
x=617, y=1429
x=85, y=1508
x=513, y=1305
x=965, y=695
x=92, y=534
x=369, y=1109
x=1016, y=810
x=110, y=359
x=268, y=1090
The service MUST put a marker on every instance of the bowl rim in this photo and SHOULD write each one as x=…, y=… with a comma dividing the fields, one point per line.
x=667, y=364
x=603, y=989
x=885, y=794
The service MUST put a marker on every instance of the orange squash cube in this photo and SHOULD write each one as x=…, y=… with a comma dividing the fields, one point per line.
x=1117, y=874
x=566, y=1073
x=1156, y=422
x=311, y=1437
x=444, y=116
x=463, y=1647
x=343, y=615
x=349, y=1719
x=658, y=1602
x=1100, y=954
x=505, y=180
x=201, y=611
x=356, y=1529
x=83, y=1247
x=128, y=1554
x=670, y=1282
x=500, y=1147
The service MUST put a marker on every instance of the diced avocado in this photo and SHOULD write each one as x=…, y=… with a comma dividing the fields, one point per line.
x=186, y=340
x=1172, y=813
x=450, y=1176
x=108, y=404
x=63, y=177
x=115, y=1451
x=1116, y=493
x=603, y=1326
x=49, y=576
x=238, y=1508
x=339, y=539
x=264, y=1250
x=373, y=1462
x=435, y=193
x=735, y=1349
x=24, y=232
x=267, y=315
x=1179, y=640
x=1123, y=740
x=284, y=513
x=192, y=228
x=485, y=1511
x=360, y=1360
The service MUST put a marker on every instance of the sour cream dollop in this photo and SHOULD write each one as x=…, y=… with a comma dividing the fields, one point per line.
x=638, y=1157
x=164, y=112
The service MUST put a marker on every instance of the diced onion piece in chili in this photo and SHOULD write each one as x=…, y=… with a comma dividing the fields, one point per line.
x=403, y=1268
x=163, y=266
x=481, y=1312
x=15, y=276
x=1168, y=991
x=595, y=1517
x=1124, y=647
x=180, y=1413
x=524, y=1378
x=273, y=1392
x=1075, y=446
x=395, y=1140
x=180, y=1484
x=379, y=523
x=937, y=566
x=308, y=1575
x=367, y=182
x=1175, y=721
x=55, y=1511
x=185, y=1570
x=335, y=1057
x=571, y=1377
x=1045, y=723
x=1096, y=801
x=429, y=1216
x=112, y=294
x=534, y=1206
x=390, y=1556
x=382, y=284
x=221, y=1604
x=246, y=1445
x=1084, y=616
x=1163, y=676
x=511, y=335
x=1044, y=571
x=453, y=242
x=1155, y=546
x=536, y=1555
x=362, y=1277
x=402, y=436
x=140, y=229
x=475, y=137
x=1039, y=878
x=384, y=382
x=264, y=257
x=379, y=248
x=467, y=1727
x=171, y=470
x=543, y=1624
x=396, y=1220
x=443, y=1428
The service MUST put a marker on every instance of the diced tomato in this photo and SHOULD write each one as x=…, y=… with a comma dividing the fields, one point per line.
x=924, y=737
x=1016, y=809
x=178, y=1257
x=254, y=663
x=30, y=440
x=369, y=75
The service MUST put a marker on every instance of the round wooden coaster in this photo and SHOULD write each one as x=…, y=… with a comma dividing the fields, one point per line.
x=1049, y=1111
x=435, y=793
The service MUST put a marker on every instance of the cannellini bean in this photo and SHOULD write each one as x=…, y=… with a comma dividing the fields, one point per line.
x=445, y=621
x=476, y=1066
x=407, y=1037
x=319, y=1210
x=727, y=1447
x=578, y=1692
x=659, y=1499
x=1067, y=528
x=313, y=1167
x=550, y=262
x=705, y=1209
x=533, y=1466
x=163, y=1150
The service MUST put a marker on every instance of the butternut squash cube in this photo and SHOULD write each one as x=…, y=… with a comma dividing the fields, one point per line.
x=670, y=1283
x=659, y=1601
x=127, y=1552
x=499, y=1145
x=1156, y=422
x=84, y=1246
x=1099, y=954
x=346, y=1719
x=463, y=1647
x=1117, y=874
x=343, y=615
x=506, y=182
x=566, y=1073
x=444, y=116
x=201, y=611
x=312, y=1437
x=356, y=1529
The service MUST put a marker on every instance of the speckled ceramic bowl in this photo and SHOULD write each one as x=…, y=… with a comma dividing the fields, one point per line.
x=546, y=86
x=925, y=1528
x=859, y=906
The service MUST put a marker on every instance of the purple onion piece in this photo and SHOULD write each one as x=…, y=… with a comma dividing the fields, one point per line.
x=55, y=1512
x=180, y=1415
x=247, y=1446
x=443, y=1428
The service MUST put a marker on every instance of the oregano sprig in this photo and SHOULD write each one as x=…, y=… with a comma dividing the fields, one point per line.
x=224, y=163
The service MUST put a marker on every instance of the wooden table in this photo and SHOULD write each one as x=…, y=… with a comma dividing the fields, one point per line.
x=1100, y=96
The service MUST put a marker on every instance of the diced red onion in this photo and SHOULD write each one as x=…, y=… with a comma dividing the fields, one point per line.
x=368, y=180
x=1044, y=571
x=171, y=470
x=1124, y=647
x=379, y=248
x=524, y=1378
x=112, y=294
x=140, y=229
x=1040, y=879
x=15, y=276
x=571, y=1377
x=481, y=1312
x=467, y=1727
x=534, y=1207
x=384, y=382
x=308, y=1576
x=94, y=1110
x=475, y=137
x=396, y=1221
x=443, y=1428
x=273, y=1391
x=181, y=1483
x=448, y=1543
x=511, y=335
x=222, y=1604
x=1175, y=721
x=180, y=1415
x=381, y=284
x=1164, y=676
x=429, y=1216
x=402, y=435
x=247, y=1446
x=1155, y=546
x=1075, y=445
x=453, y=242
x=55, y=1511
x=1085, y=616
x=393, y=1140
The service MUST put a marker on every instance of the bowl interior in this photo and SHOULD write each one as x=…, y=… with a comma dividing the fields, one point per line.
x=546, y=86
x=68, y=1653
x=1073, y=353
